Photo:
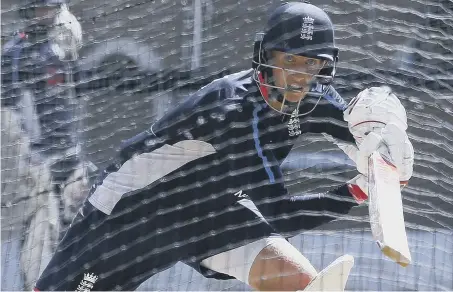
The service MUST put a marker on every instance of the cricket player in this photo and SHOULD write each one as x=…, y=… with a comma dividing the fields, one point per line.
x=203, y=185
x=37, y=81
x=38, y=91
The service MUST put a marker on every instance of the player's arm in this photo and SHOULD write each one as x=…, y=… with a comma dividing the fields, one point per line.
x=291, y=215
x=327, y=119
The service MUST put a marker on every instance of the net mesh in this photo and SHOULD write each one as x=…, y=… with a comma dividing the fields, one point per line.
x=140, y=58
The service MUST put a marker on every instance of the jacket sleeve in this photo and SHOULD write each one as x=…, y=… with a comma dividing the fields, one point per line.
x=291, y=215
x=260, y=177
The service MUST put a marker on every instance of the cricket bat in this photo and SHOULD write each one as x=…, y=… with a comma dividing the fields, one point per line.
x=386, y=209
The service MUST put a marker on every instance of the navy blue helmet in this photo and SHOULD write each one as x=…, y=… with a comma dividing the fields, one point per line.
x=300, y=29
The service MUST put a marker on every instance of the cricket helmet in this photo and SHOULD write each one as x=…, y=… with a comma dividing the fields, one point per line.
x=299, y=29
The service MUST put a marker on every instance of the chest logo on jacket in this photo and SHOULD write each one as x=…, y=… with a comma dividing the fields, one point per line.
x=294, y=124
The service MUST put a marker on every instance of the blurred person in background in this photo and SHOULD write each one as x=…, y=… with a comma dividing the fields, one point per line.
x=29, y=207
x=44, y=180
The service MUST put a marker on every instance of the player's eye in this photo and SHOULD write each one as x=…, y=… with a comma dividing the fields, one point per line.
x=311, y=62
x=289, y=59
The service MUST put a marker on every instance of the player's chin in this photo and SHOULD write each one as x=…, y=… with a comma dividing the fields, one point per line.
x=295, y=96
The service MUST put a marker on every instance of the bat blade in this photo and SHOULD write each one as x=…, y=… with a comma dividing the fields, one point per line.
x=386, y=210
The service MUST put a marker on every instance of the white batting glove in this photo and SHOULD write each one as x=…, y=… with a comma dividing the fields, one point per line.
x=377, y=120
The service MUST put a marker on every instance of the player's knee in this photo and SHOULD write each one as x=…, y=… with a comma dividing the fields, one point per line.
x=280, y=266
x=289, y=280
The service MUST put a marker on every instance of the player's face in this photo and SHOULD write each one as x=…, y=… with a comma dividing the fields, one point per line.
x=298, y=75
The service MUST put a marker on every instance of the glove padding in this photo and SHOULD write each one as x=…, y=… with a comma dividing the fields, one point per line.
x=392, y=142
x=378, y=121
x=65, y=36
x=371, y=110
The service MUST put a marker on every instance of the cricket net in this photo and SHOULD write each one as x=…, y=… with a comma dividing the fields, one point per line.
x=140, y=58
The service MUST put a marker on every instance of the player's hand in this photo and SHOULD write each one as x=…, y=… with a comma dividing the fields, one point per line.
x=378, y=121
x=392, y=142
x=371, y=110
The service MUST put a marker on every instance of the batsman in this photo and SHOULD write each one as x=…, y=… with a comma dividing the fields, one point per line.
x=203, y=185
